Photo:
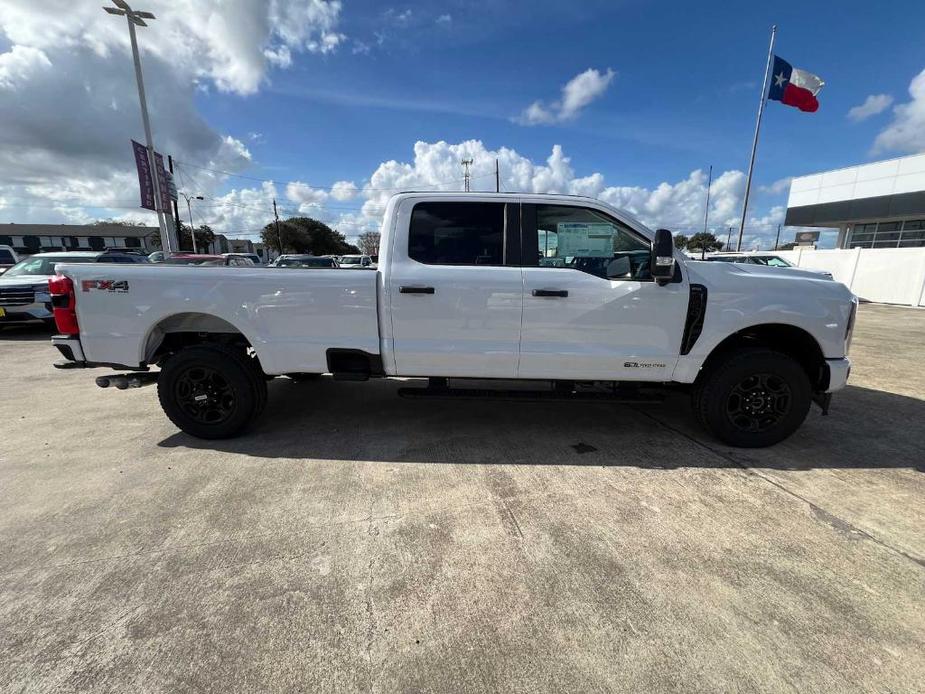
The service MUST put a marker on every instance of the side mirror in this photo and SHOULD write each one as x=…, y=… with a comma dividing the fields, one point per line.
x=662, y=263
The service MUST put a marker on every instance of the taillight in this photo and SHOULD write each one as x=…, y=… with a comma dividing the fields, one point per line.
x=64, y=304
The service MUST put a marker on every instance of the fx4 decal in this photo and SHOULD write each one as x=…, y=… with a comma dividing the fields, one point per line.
x=105, y=285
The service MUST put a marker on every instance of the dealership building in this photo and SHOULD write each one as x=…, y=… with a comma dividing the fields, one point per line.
x=876, y=205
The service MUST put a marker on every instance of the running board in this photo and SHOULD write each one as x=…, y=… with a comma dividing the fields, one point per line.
x=613, y=396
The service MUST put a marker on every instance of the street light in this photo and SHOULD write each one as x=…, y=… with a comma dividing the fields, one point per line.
x=133, y=18
x=189, y=208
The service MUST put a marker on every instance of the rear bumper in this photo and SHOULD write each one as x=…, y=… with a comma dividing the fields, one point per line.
x=839, y=370
x=69, y=346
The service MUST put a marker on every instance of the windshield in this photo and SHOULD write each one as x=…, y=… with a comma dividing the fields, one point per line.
x=44, y=265
x=194, y=261
x=771, y=261
x=350, y=260
x=305, y=262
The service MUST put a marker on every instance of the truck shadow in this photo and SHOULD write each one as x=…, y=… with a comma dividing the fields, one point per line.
x=325, y=420
x=26, y=332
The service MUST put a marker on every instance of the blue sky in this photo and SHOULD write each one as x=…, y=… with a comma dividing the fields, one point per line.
x=683, y=97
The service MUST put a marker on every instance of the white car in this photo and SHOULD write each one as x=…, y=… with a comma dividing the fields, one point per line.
x=766, y=259
x=465, y=290
x=355, y=262
x=24, y=287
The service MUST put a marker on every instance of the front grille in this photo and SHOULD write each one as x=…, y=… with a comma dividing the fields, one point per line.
x=16, y=296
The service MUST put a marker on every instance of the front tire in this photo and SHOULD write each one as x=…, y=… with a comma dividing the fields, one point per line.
x=754, y=398
x=211, y=391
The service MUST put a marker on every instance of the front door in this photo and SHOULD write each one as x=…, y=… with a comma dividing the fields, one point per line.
x=591, y=308
x=456, y=292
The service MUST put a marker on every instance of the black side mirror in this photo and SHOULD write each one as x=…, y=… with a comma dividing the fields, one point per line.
x=662, y=263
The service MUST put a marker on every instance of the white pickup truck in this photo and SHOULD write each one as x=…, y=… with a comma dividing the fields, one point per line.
x=557, y=289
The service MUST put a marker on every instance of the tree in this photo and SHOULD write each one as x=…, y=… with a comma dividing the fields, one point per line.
x=117, y=223
x=204, y=237
x=680, y=241
x=305, y=235
x=369, y=242
x=704, y=242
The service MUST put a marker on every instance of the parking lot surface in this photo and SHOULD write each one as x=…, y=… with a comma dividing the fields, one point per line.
x=357, y=541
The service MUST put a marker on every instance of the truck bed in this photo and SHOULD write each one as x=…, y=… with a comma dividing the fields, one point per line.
x=290, y=317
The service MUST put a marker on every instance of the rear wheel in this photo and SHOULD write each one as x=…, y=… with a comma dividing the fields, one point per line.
x=211, y=391
x=754, y=398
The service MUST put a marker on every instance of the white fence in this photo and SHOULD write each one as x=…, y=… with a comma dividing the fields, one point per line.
x=883, y=275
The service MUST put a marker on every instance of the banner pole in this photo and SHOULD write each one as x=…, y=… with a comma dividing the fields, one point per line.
x=751, y=161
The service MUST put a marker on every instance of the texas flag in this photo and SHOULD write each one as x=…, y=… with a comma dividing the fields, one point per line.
x=794, y=87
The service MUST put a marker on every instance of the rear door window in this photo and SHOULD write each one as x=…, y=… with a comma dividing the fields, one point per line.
x=457, y=233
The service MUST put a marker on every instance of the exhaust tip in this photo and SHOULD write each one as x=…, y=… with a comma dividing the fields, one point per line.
x=103, y=381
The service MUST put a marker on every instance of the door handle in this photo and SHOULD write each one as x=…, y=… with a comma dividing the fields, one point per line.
x=550, y=292
x=415, y=290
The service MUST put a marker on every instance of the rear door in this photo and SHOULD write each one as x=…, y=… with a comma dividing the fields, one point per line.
x=591, y=308
x=456, y=288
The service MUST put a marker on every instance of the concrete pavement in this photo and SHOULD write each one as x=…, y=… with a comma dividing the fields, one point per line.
x=356, y=541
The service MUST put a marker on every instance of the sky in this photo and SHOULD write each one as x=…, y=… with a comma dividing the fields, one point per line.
x=330, y=107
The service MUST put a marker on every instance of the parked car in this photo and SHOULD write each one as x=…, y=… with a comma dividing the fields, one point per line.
x=354, y=262
x=24, y=287
x=157, y=257
x=230, y=260
x=304, y=261
x=460, y=294
x=8, y=258
x=766, y=259
x=253, y=257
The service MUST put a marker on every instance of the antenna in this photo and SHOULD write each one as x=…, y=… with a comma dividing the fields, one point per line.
x=466, y=164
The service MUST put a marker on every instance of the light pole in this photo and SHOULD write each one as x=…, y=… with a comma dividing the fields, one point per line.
x=134, y=17
x=189, y=208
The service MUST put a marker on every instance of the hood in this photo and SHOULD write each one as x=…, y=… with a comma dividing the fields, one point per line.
x=25, y=281
x=747, y=277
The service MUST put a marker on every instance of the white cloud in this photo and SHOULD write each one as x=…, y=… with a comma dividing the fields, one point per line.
x=577, y=93
x=344, y=190
x=677, y=205
x=906, y=132
x=445, y=19
x=61, y=52
x=873, y=104
x=781, y=185
x=19, y=63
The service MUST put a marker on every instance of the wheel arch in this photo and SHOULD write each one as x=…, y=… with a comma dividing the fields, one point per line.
x=179, y=330
x=788, y=339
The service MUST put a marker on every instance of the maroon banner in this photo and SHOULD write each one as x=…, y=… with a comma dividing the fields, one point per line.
x=145, y=182
x=163, y=180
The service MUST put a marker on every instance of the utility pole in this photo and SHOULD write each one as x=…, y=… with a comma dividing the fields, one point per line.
x=706, y=211
x=777, y=240
x=176, y=210
x=497, y=176
x=189, y=208
x=279, y=236
x=466, y=164
x=728, y=238
x=134, y=17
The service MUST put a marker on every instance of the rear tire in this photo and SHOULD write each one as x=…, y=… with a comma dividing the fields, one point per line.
x=211, y=391
x=753, y=398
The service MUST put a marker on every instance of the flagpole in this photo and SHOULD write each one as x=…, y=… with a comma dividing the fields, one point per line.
x=751, y=161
